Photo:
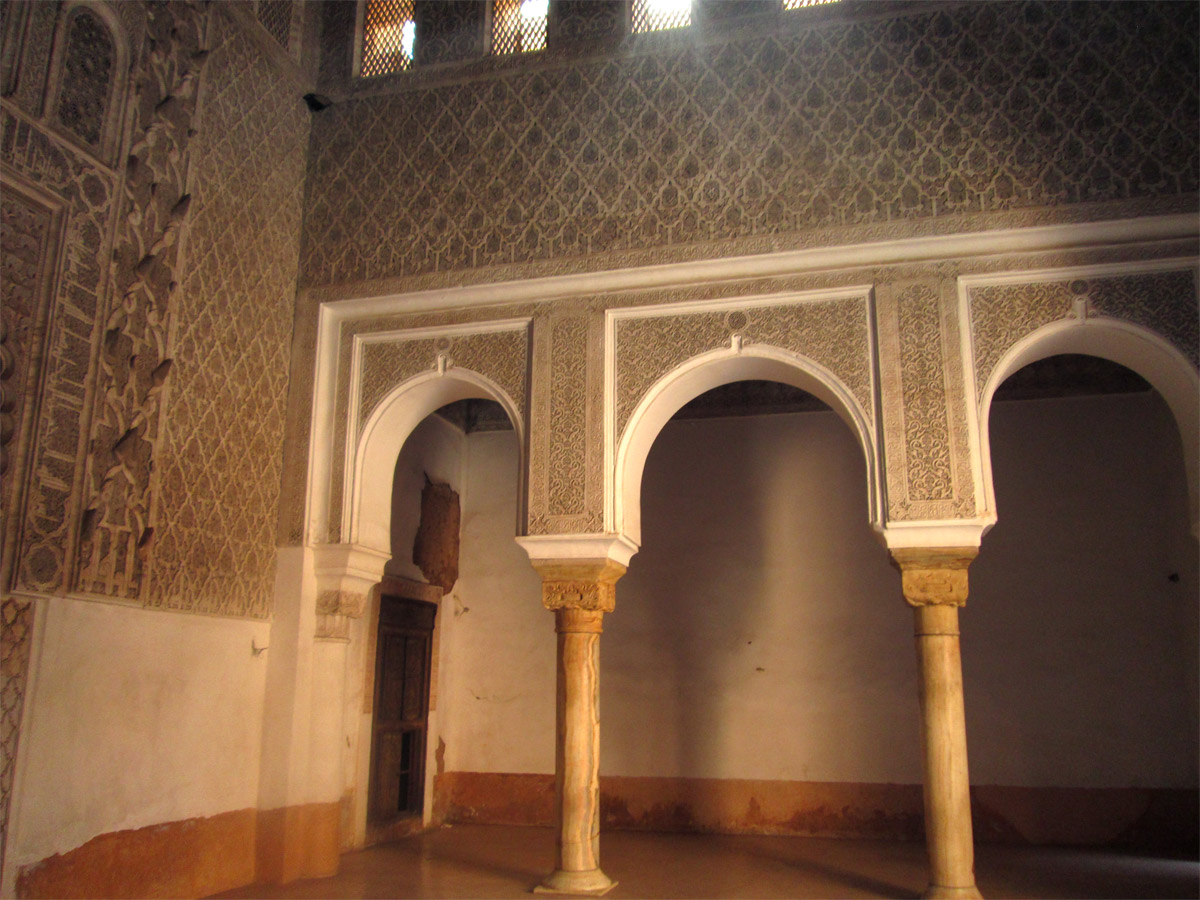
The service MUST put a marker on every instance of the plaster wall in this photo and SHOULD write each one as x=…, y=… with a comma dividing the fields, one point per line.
x=498, y=664
x=1080, y=650
x=760, y=632
x=137, y=718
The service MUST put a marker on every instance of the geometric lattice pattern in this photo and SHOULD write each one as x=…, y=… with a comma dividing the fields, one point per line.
x=660, y=15
x=519, y=26
x=389, y=37
x=222, y=453
x=16, y=633
x=276, y=17
x=965, y=110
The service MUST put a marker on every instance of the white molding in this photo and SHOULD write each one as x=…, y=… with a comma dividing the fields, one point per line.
x=847, y=257
x=935, y=533
x=568, y=547
x=348, y=567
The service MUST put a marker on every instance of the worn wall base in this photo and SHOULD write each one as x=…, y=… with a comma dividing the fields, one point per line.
x=191, y=858
x=297, y=842
x=1144, y=818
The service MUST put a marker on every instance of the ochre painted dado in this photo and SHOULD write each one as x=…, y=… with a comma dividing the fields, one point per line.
x=1131, y=817
x=206, y=856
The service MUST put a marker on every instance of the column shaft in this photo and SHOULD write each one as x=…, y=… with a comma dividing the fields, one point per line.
x=578, y=751
x=944, y=737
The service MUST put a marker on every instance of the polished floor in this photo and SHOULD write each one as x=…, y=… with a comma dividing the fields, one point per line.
x=504, y=861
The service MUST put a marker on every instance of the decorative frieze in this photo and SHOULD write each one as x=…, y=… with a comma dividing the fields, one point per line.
x=929, y=466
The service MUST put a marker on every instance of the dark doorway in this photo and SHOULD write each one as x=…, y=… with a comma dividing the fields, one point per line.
x=401, y=720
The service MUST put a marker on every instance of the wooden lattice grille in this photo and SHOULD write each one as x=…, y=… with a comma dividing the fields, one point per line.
x=519, y=26
x=389, y=37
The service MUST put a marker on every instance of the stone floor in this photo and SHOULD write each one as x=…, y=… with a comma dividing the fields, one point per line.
x=503, y=861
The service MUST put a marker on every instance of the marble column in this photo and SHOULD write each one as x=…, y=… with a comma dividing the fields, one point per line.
x=579, y=592
x=935, y=585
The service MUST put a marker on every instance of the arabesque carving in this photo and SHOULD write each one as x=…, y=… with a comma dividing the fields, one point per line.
x=55, y=439
x=16, y=641
x=834, y=333
x=1003, y=314
x=929, y=472
x=874, y=123
x=219, y=461
x=117, y=532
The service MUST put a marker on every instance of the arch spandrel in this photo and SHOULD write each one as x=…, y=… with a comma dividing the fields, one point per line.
x=367, y=521
x=1141, y=317
x=378, y=370
x=660, y=358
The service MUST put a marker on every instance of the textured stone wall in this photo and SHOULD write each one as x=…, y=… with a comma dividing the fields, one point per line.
x=149, y=303
x=769, y=138
x=223, y=450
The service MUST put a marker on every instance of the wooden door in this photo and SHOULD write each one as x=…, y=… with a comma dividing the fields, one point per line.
x=402, y=665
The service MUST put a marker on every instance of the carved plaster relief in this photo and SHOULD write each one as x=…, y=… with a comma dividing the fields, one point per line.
x=927, y=443
x=759, y=139
x=16, y=641
x=1164, y=302
x=374, y=364
x=834, y=332
x=55, y=442
x=117, y=531
x=220, y=457
x=566, y=475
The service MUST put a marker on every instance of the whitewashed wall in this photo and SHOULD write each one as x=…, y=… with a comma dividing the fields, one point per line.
x=139, y=718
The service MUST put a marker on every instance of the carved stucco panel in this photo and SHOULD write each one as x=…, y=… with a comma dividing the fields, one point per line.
x=16, y=642
x=502, y=356
x=1003, y=314
x=566, y=474
x=221, y=456
x=875, y=124
x=117, y=531
x=927, y=450
x=56, y=441
x=834, y=333
x=1163, y=302
x=499, y=355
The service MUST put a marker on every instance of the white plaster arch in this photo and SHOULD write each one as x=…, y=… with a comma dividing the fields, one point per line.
x=703, y=373
x=1139, y=349
x=368, y=512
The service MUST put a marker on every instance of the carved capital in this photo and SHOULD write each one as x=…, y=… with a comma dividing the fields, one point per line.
x=580, y=584
x=335, y=609
x=934, y=576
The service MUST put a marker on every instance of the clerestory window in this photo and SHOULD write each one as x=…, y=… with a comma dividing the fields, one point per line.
x=661, y=15
x=801, y=4
x=389, y=36
x=519, y=26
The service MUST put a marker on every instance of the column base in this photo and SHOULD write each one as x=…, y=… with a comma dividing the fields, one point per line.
x=591, y=882
x=941, y=892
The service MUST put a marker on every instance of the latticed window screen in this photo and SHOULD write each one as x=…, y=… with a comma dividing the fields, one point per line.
x=800, y=4
x=389, y=36
x=519, y=26
x=659, y=15
x=276, y=17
